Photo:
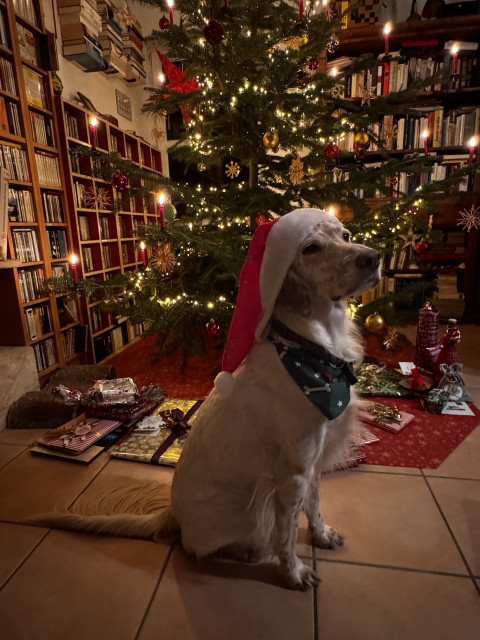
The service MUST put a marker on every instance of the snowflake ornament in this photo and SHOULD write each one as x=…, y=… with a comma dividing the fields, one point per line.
x=367, y=93
x=99, y=199
x=163, y=259
x=158, y=133
x=470, y=219
x=232, y=169
x=296, y=171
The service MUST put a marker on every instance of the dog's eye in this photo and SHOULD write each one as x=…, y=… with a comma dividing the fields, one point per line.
x=311, y=248
x=346, y=236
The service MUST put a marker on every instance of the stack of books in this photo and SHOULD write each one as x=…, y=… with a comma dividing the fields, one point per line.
x=80, y=26
x=133, y=49
x=111, y=38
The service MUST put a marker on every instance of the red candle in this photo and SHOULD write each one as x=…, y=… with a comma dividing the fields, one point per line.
x=142, y=253
x=73, y=260
x=170, y=10
x=472, y=144
x=386, y=30
x=300, y=10
x=425, y=141
x=454, y=51
x=93, y=132
x=161, y=209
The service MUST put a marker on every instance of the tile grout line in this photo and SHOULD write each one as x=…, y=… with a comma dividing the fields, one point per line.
x=14, y=457
x=316, y=634
x=470, y=572
x=18, y=567
x=88, y=485
x=154, y=592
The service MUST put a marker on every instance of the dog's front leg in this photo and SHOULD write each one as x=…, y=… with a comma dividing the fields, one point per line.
x=289, y=497
x=323, y=535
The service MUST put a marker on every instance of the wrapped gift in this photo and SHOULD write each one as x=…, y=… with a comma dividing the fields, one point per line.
x=78, y=435
x=427, y=336
x=388, y=418
x=436, y=400
x=148, y=399
x=160, y=442
x=115, y=391
x=376, y=380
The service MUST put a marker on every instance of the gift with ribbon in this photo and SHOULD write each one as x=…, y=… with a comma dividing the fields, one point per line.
x=436, y=400
x=387, y=417
x=377, y=380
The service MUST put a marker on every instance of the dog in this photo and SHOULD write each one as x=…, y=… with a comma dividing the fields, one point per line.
x=258, y=445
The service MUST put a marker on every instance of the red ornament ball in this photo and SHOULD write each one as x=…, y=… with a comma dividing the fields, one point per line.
x=212, y=328
x=119, y=181
x=331, y=151
x=313, y=64
x=163, y=23
x=213, y=32
x=421, y=247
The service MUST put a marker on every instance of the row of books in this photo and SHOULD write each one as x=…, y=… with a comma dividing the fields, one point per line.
x=38, y=321
x=79, y=193
x=57, y=243
x=72, y=125
x=9, y=118
x=47, y=169
x=111, y=38
x=42, y=129
x=102, y=346
x=20, y=205
x=72, y=340
x=60, y=270
x=52, y=207
x=3, y=30
x=88, y=263
x=127, y=256
x=25, y=242
x=80, y=27
x=107, y=256
x=44, y=354
x=27, y=45
x=83, y=228
x=7, y=77
x=67, y=311
x=13, y=158
x=104, y=227
x=31, y=283
x=26, y=8
x=97, y=318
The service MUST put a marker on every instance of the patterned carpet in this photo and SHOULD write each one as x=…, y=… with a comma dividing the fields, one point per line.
x=424, y=443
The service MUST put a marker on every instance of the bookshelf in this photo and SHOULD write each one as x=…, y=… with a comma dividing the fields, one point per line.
x=449, y=110
x=104, y=237
x=39, y=239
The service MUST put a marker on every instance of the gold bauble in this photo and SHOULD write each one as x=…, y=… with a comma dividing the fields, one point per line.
x=362, y=139
x=375, y=323
x=270, y=139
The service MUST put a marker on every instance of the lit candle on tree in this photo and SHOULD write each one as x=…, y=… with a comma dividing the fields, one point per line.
x=93, y=132
x=73, y=264
x=472, y=144
x=425, y=141
x=386, y=31
x=143, y=254
x=170, y=10
x=454, y=52
x=161, y=209
x=161, y=79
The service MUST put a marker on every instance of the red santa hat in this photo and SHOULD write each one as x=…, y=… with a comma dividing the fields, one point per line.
x=271, y=252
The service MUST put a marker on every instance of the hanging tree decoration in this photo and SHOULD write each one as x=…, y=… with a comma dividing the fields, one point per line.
x=312, y=64
x=469, y=219
x=331, y=151
x=367, y=93
x=296, y=171
x=362, y=140
x=232, y=169
x=212, y=328
x=163, y=23
x=177, y=81
x=119, y=181
x=271, y=140
x=163, y=259
x=213, y=32
x=100, y=198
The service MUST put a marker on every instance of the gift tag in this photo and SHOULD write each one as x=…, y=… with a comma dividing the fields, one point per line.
x=454, y=409
x=406, y=367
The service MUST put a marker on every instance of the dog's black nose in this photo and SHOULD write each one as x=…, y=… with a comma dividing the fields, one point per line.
x=368, y=260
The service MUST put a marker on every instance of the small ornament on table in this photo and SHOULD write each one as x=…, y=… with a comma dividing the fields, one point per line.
x=296, y=171
x=212, y=328
x=163, y=259
x=375, y=323
x=271, y=140
x=213, y=32
x=232, y=170
x=448, y=354
x=427, y=336
x=331, y=151
x=436, y=400
x=119, y=181
x=469, y=219
x=452, y=381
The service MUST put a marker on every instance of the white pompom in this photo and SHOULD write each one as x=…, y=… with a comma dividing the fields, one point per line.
x=224, y=382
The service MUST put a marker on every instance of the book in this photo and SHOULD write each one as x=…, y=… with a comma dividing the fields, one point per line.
x=34, y=88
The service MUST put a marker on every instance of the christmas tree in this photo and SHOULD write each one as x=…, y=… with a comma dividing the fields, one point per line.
x=264, y=120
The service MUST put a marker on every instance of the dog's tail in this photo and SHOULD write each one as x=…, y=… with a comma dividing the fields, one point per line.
x=132, y=511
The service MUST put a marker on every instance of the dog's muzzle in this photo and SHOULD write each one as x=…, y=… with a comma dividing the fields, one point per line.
x=368, y=260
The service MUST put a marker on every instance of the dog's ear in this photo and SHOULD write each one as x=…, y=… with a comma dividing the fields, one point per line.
x=295, y=294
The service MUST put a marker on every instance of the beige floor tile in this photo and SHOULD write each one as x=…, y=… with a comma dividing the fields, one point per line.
x=20, y=436
x=370, y=603
x=16, y=542
x=8, y=452
x=463, y=462
x=389, y=520
x=460, y=502
x=31, y=485
x=81, y=587
x=213, y=600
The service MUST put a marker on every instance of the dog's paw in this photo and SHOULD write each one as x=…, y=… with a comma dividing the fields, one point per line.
x=328, y=538
x=299, y=577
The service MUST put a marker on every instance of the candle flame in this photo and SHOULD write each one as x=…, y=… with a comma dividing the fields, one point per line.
x=454, y=49
x=93, y=121
x=73, y=259
x=331, y=211
x=472, y=142
x=387, y=28
x=161, y=198
x=170, y=3
x=161, y=78
x=142, y=245
x=425, y=133
x=333, y=72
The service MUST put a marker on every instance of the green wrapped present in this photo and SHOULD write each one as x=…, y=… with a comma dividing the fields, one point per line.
x=377, y=380
x=436, y=400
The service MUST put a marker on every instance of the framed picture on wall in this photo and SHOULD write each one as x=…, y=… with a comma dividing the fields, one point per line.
x=124, y=105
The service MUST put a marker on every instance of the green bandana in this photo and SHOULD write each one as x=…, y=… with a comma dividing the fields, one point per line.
x=324, y=380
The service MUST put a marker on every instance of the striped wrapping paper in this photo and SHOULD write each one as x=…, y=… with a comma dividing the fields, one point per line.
x=77, y=444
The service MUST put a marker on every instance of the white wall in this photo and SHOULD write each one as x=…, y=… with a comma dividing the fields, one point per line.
x=100, y=87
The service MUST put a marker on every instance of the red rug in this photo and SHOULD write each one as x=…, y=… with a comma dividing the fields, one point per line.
x=425, y=443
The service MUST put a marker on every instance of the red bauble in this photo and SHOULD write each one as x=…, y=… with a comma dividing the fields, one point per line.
x=422, y=247
x=359, y=156
x=213, y=32
x=262, y=218
x=212, y=328
x=163, y=23
x=331, y=151
x=119, y=181
x=313, y=64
